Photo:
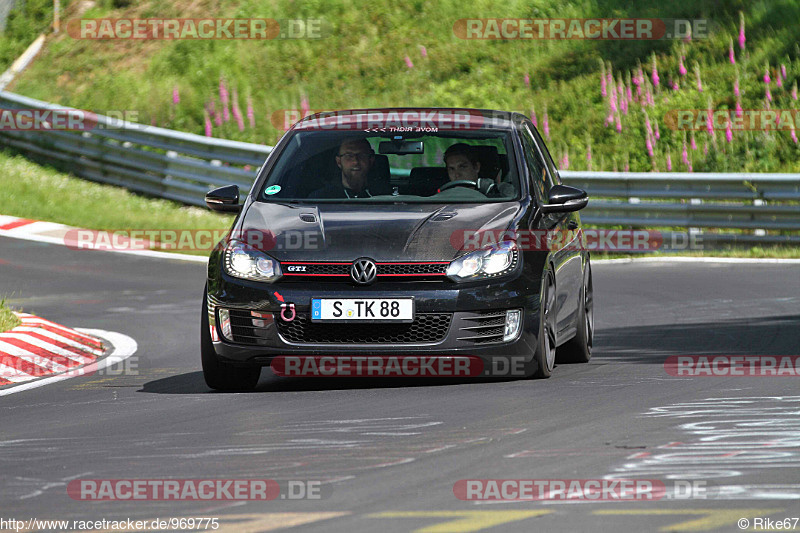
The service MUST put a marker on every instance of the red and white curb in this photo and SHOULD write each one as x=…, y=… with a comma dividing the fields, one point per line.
x=63, y=235
x=39, y=352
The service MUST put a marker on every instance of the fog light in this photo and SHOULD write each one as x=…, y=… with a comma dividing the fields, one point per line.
x=225, y=324
x=513, y=322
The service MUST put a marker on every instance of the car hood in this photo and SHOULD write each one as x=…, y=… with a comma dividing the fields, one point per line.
x=383, y=232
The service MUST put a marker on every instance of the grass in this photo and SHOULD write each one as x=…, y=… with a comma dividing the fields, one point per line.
x=8, y=319
x=32, y=191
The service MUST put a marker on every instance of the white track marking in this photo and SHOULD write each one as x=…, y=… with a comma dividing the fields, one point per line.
x=681, y=259
x=146, y=253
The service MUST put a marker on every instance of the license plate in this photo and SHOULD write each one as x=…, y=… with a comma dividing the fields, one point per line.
x=362, y=309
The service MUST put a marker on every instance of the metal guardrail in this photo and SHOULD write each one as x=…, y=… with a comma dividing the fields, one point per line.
x=5, y=8
x=155, y=161
x=755, y=203
x=184, y=166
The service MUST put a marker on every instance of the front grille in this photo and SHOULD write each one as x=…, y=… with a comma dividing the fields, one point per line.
x=426, y=328
x=341, y=271
x=411, y=269
x=483, y=327
x=250, y=327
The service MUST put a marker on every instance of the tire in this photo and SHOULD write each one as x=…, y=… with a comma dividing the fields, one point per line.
x=579, y=348
x=544, y=359
x=218, y=375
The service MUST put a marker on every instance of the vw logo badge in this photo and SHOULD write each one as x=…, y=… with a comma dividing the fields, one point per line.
x=363, y=271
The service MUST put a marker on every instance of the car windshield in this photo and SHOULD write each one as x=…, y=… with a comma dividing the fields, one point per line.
x=441, y=167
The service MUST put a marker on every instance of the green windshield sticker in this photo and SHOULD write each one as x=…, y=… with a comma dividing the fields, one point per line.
x=272, y=189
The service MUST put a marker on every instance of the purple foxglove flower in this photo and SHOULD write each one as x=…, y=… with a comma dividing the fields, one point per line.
x=728, y=132
x=546, y=123
x=237, y=113
x=783, y=71
x=251, y=116
x=767, y=79
x=794, y=136
x=176, y=98
x=223, y=96
x=681, y=68
x=409, y=64
x=741, y=31
x=527, y=80
x=654, y=73
x=649, y=146
x=533, y=117
x=705, y=148
x=768, y=95
x=217, y=119
x=794, y=91
x=619, y=124
x=778, y=81
x=693, y=144
x=423, y=51
x=208, y=123
x=685, y=155
x=669, y=162
x=739, y=111
x=658, y=133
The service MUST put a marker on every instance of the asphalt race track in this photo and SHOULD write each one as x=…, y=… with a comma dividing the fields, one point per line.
x=388, y=453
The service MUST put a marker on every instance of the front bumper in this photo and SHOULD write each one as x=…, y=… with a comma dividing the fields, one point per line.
x=472, y=312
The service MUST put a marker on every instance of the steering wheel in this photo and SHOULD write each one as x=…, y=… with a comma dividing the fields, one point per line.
x=459, y=183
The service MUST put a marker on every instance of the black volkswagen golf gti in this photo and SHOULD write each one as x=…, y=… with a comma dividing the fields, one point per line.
x=421, y=232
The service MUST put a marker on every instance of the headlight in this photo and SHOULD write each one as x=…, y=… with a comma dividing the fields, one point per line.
x=487, y=263
x=243, y=261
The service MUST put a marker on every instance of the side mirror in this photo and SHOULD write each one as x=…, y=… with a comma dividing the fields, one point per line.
x=565, y=199
x=224, y=199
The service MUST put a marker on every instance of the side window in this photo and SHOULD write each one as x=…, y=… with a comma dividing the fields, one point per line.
x=534, y=163
x=552, y=178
